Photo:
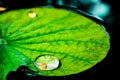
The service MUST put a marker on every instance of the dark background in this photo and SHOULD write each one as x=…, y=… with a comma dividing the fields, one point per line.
x=106, y=69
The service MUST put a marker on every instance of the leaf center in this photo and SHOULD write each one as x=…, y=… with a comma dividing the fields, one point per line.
x=2, y=41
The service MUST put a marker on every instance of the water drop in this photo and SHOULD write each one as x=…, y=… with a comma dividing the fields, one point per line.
x=2, y=9
x=32, y=14
x=46, y=62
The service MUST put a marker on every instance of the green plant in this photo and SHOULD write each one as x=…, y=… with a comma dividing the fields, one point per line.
x=78, y=42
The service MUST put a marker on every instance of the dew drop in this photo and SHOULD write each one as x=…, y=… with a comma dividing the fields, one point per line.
x=2, y=9
x=32, y=14
x=46, y=62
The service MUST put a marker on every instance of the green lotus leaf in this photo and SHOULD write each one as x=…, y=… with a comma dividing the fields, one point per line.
x=75, y=40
